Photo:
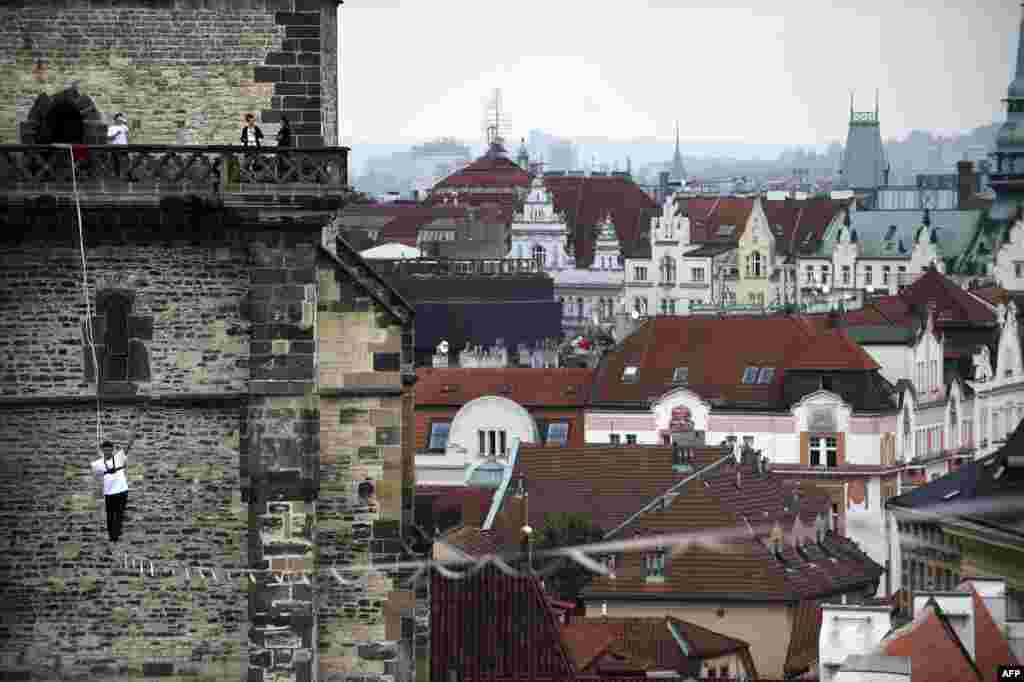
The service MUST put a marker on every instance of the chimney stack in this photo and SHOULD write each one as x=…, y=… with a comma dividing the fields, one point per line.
x=966, y=183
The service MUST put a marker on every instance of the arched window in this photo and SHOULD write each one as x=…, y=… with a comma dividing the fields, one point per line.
x=668, y=269
x=754, y=265
x=540, y=256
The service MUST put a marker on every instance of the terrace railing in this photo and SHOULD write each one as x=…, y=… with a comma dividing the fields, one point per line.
x=191, y=168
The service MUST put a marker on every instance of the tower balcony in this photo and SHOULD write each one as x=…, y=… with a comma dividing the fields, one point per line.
x=237, y=174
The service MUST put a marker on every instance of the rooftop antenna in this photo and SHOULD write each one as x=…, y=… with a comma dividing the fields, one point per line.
x=876, y=103
x=851, y=102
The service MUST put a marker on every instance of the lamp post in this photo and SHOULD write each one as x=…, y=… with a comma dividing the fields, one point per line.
x=528, y=539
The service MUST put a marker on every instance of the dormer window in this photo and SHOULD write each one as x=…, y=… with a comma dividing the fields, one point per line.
x=766, y=375
x=629, y=374
x=681, y=375
x=750, y=375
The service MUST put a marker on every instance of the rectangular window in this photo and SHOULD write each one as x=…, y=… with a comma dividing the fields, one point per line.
x=867, y=274
x=824, y=274
x=750, y=375
x=558, y=433
x=809, y=274
x=846, y=275
x=654, y=564
x=438, y=436
x=681, y=375
x=639, y=273
x=615, y=439
x=501, y=443
x=492, y=438
x=886, y=270
x=823, y=451
x=766, y=375
x=630, y=439
x=629, y=374
x=482, y=436
x=697, y=274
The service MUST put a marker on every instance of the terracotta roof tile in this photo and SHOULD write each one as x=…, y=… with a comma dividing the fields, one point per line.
x=487, y=171
x=707, y=216
x=530, y=387
x=953, y=303
x=586, y=201
x=717, y=351
x=935, y=651
x=990, y=646
x=799, y=226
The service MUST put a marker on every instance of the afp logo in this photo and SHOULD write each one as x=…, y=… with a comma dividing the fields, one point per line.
x=1011, y=672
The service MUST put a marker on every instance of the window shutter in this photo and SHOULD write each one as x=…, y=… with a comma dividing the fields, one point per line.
x=140, y=327
x=138, y=361
x=805, y=443
x=840, y=449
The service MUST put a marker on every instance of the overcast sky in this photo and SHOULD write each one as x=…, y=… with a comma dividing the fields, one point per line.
x=770, y=72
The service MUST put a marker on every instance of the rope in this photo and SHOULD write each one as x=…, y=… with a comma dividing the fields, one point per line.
x=85, y=294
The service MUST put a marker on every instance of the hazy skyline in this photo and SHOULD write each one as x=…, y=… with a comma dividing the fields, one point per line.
x=776, y=73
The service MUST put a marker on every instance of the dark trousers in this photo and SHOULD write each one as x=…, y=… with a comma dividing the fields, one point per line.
x=115, y=514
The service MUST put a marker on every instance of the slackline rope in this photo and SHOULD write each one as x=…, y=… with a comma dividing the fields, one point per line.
x=85, y=294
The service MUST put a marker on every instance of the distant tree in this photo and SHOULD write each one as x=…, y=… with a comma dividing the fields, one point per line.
x=564, y=530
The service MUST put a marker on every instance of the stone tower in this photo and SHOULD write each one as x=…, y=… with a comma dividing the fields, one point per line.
x=275, y=365
x=1007, y=178
x=864, y=166
x=183, y=72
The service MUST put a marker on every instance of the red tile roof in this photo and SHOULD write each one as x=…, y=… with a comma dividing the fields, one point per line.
x=490, y=170
x=586, y=201
x=645, y=644
x=610, y=484
x=990, y=646
x=798, y=226
x=707, y=215
x=717, y=351
x=935, y=651
x=530, y=387
x=952, y=302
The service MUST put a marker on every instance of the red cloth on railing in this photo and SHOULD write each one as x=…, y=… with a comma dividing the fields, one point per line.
x=79, y=152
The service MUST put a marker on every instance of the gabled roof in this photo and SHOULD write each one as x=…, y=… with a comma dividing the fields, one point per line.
x=799, y=225
x=562, y=387
x=647, y=644
x=952, y=302
x=879, y=232
x=991, y=649
x=934, y=648
x=586, y=201
x=717, y=351
x=711, y=218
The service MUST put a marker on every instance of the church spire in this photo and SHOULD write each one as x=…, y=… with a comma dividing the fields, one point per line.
x=678, y=170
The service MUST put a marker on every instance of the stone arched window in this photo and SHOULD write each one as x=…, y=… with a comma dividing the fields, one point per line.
x=69, y=117
x=540, y=255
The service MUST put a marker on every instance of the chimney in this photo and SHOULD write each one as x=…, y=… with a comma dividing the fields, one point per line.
x=966, y=182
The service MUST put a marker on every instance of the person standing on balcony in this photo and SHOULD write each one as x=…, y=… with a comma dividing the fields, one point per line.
x=117, y=134
x=251, y=133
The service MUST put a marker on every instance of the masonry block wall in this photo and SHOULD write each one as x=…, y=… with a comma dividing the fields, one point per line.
x=366, y=624
x=184, y=72
x=70, y=605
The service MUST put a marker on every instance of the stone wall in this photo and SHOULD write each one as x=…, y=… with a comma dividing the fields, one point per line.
x=199, y=343
x=69, y=604
x=182, y=75
x=365, y=488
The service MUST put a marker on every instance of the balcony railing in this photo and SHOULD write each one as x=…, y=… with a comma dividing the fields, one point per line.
x=476, y=267
x=170, y=167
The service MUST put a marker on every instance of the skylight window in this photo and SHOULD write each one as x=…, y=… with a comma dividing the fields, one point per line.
x=750, y=375
x=629, y=374
x=766, y=375
x=681, y=375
